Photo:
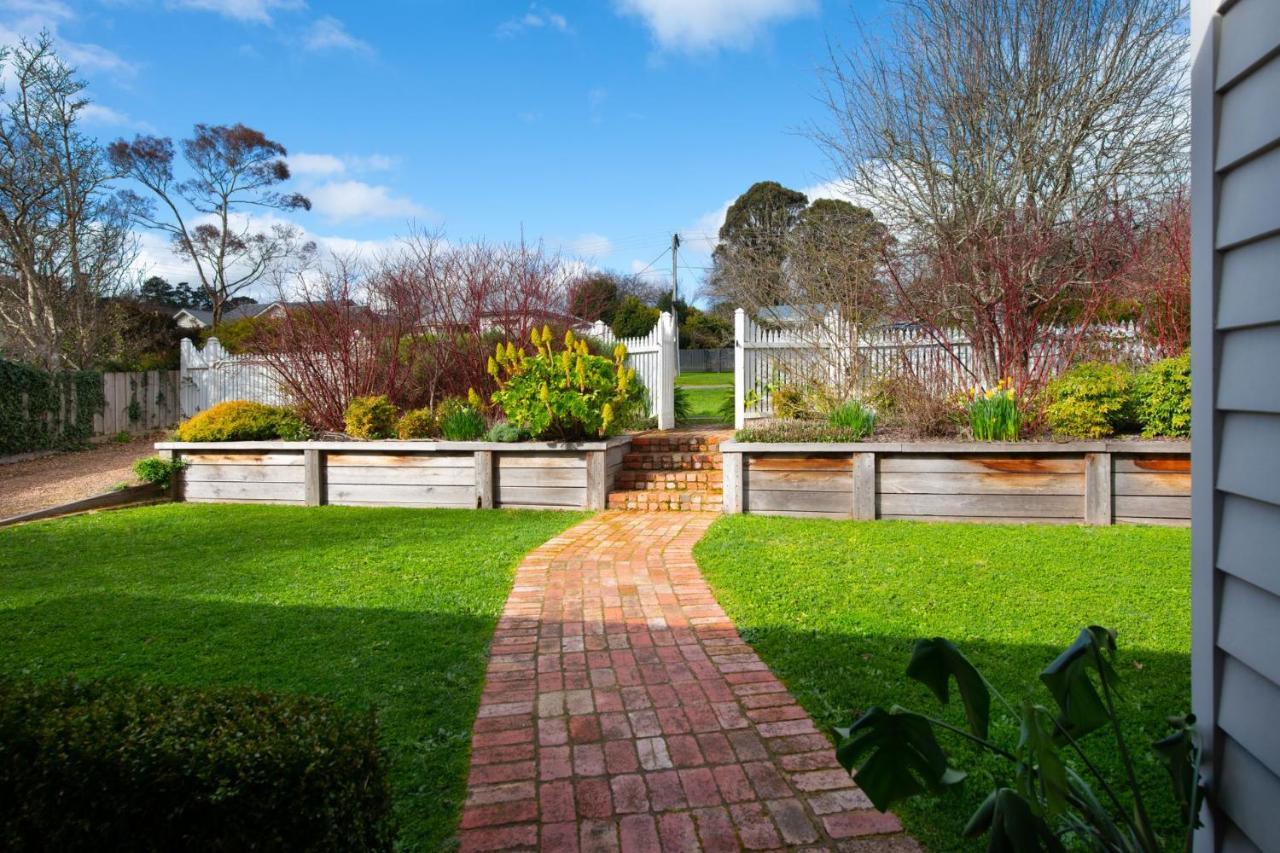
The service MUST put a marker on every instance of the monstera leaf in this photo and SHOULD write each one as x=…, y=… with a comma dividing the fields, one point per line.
x=1081, y=709
x=1011, y=825
x=935, y=662
x=894, y=755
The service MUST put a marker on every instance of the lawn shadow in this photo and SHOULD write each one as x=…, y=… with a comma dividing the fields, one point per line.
x=837, y=676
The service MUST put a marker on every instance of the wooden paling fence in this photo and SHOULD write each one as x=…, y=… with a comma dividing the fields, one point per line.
x=212, y=375
x=138, y=402
x=844, y=356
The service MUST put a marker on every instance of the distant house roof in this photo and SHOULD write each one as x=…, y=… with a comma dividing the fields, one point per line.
x=200, y=319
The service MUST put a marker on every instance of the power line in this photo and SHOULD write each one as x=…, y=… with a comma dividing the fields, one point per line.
x=647, y=266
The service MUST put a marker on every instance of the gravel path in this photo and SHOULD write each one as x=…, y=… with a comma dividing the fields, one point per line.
x=51, y=480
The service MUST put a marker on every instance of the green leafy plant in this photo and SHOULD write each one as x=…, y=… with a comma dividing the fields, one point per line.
x=505, y=432
x=418, y=423
x=371, y=417
x=35, y=410
x=855, y=417
x=158, y=470
x=242, y=420
x=123, y=765
x=122, y=437
x=1091, y=400
x=134, y=410
x=567, y=394
x=681, y=404
x=1048, y=802
x=993, y=413
x=460, y=420
x=1163, y=397
x=802, y=400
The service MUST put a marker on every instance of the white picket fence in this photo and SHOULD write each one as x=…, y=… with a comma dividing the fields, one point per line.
x=844, y=356
x=655, y=359
x=212, y=375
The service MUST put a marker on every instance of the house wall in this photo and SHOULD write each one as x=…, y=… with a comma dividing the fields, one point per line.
x=1236, y=416
x=1075, y=483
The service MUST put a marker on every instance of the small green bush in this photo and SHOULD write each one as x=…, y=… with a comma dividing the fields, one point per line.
x=682, y=406
x=799, y=431
x=460, y=421
x=122, y=437
x=114, y=765
x=370, y=417
x=803, y=401
x=158, y=470
x=1163, y=398
x=855, y=417
x=568, y=394
x=241, y=420
x=1091, y=400
x=418, y=423
x=505, y=432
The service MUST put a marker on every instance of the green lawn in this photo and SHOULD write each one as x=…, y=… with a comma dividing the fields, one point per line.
x=385, y=607
x=694, y=379
x=834, y=608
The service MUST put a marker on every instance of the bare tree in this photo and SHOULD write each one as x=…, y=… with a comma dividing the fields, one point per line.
x=978, y=116
x=235, y=170
x=65, y=244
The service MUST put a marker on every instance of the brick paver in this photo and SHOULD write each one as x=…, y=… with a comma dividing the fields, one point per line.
x=622, y=711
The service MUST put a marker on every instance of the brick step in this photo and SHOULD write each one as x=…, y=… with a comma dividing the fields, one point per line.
x=646, y=461
x=664, y=501
x=671, y=480
x=676, y=443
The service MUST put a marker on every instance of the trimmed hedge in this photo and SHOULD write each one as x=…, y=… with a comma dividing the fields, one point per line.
x=32, y=415
x=1091, y=400
x=114, y=765
x=241, y=420
x=1164, y=397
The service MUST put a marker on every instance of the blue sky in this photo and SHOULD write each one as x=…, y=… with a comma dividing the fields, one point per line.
x=600, y=127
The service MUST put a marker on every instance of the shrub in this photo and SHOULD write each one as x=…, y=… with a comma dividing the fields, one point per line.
x=681, y=405
x=798, y=431
x=460, y=420
x=1163, y=405
x=854, y=417
x=993, y=413
x=158, y=470
x=908, y=404
x=505, y=432
x=567, y=395
x=370, y=417
x=241, y=420
x=1091, y=400
x=802, y=400
x=418, y=423
x=123, y=436
x=114, y=765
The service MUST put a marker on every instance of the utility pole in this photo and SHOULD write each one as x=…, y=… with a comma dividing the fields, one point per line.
x=675, y=285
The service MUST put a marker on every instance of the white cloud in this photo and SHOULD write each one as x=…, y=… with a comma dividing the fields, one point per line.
x=27, y=19
x=305, y=164
x=316, y=164
x=341, y=201
x=590, y=246
x=696, y=26
x=252, y=11
x=537, y=18
x=328, y=33
x=99, y=114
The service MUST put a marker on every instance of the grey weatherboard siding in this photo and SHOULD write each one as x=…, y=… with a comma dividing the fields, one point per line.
x=1236, y=401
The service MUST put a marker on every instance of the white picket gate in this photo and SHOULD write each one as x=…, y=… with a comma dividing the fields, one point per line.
x=212, y=375
x=655, y=359
x=848, y=357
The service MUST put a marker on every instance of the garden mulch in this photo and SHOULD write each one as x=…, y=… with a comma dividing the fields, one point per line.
x=622, y=711
x=47, y=481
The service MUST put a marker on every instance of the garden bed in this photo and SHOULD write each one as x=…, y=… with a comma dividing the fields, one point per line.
x=1092, y=482
x=460, y=474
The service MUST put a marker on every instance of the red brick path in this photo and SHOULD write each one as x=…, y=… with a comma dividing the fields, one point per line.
x=623, y=712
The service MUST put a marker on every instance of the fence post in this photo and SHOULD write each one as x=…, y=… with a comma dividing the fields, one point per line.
x=313, y=470
x=734, y=487
x=484, y=479
x=667, y=344
x=739, y=368
x=597, y=480
x=864, y=486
